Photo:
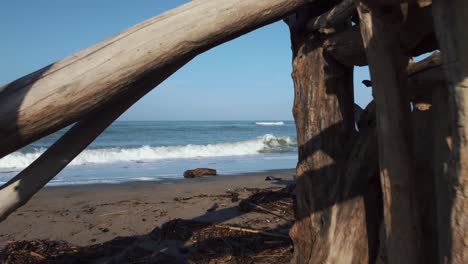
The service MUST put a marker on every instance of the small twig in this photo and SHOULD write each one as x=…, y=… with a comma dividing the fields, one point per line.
x=263, y=209
x=248, y=230
x=118, y=212
x=37, y=255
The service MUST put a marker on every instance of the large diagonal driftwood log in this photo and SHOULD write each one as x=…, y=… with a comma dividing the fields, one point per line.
x=381, y=38
x=451, y=19
x=17, y=192
x=62, y=93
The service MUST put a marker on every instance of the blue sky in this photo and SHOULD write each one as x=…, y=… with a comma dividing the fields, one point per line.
x=246, y=79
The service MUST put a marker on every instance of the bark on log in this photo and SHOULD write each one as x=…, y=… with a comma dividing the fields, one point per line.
x=433, y=61
x=19, y=190
x=451, y=19
x=330, y=217
x=337, y=15
x=387, y=68
x=423, y=76
x=62, y=93
x=347, y=47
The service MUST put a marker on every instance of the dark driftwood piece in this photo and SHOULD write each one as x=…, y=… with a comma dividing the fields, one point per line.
x=347, y=47
x=337, y=15
x=71, y=88
x=433, y=61
x=426, y=124
x=451, y=20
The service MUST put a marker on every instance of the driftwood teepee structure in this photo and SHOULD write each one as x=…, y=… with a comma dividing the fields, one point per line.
x=393, y=192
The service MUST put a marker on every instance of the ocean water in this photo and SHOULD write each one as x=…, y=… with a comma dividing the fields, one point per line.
x=160, y=150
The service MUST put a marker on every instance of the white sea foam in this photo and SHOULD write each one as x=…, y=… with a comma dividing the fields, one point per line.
x=269, y=123
x=264, y=144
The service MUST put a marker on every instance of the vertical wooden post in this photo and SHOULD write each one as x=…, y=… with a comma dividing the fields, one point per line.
x=330, y=218
x=424, y=120
x=380, y=33
x=450, y=21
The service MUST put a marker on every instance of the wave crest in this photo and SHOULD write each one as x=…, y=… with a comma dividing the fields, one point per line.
x=264, y=144
x=269, y=123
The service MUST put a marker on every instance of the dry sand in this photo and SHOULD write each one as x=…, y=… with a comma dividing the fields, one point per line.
x=91, y=214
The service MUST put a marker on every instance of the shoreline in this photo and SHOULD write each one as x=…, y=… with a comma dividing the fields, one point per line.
x=170, y=181
x=88, y=214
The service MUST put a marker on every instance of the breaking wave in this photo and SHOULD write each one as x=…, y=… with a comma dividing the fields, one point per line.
x=269, y=123
x=264, y=144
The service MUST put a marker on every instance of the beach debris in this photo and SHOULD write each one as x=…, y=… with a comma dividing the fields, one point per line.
x=181, y=199
x=221, y=243
x=255, y=231
x=278, y=203
x=36, y=251
x=104, y=230
x=234, y=196
x=188, y=240
x=213, y=207
x=199, y=172
x=36, y=255
x=271, y=178
x=229, y=194
x=89, y=209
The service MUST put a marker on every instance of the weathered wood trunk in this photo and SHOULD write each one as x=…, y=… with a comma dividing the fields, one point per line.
x=423, y=120
x=330, y=214
x=380, y=30
x=64, y=92
x=451, y=19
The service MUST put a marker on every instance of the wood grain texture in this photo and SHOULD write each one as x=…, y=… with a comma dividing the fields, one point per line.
x=346, y=47
x=451, y=20
x=337, y=15
x=62, y=93
x=330, y=222
x=381, y=36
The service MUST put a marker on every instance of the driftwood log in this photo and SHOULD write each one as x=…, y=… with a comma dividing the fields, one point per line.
x=394, y=190
x=330, y=222
x=19, y=190
x=79, y=84
x=451, y=19
x=387, y=65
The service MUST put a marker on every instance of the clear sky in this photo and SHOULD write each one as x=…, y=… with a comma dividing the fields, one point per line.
x=246, y=79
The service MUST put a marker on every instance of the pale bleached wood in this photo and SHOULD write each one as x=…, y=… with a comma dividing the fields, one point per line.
x=451, y=20
x=381, y=38
x=62, y=93
x=19, y=190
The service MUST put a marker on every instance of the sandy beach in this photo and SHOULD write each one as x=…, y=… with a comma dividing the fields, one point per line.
x=93, y=214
